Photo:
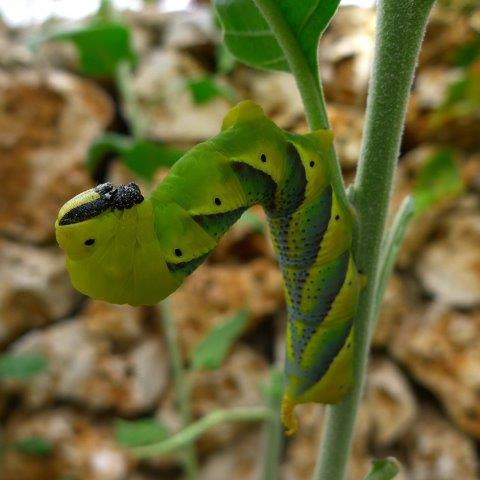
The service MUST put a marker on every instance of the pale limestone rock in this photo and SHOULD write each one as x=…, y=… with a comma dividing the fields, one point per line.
x=47, y=123
x=390, y=402
x=436, y=450
x=215, y=292
x=167, y=105
x=34, y=288
x=449, y=267
x=238, y=461
x=440, y=348
x=235, y=384
x=83, y=447
x=86, y=368
x=346, y=53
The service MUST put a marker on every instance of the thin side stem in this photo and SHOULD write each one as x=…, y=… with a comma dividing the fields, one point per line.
x=188, y=435
x=308, y=84
x=182, y=390
x=391, y=246
x=133, y=115
x=400, y=30
x=273, y=434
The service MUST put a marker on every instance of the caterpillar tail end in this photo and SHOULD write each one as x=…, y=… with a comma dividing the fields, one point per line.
x=289, y=419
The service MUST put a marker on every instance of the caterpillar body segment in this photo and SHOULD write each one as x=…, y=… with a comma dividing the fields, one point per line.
x=123, y=248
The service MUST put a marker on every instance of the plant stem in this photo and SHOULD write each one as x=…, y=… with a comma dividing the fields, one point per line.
x=308, y=84
x=391, y=246
x=182, y=390
x=188, y=435
x=400, y=29
x=273, y=435
x=133, y=115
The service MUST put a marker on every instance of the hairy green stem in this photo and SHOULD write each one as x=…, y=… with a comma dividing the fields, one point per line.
x=308, y=84
x=182, y=390
x=273, y=434
x=188, y=435
x=400, y=29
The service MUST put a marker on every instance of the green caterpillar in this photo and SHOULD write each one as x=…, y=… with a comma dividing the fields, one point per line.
x=123, y=248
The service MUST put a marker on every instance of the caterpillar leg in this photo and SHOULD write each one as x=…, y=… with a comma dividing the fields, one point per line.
x=288, y=416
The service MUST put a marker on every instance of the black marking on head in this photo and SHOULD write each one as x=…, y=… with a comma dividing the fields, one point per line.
x=263, y=157
x=178, y=252
x=217, y=201
x=111, y=198
x=89, y=242
x=312, y=163
x=337, y=217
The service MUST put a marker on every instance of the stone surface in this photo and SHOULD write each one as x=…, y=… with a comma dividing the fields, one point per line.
x=436, y=450
x=236, y=384
x=449, y=267
x=167, y=105
x=34, y=288
x=82, y=447
x=90, y=370
x=47, y=124
x=215, y=292
x=440, y=349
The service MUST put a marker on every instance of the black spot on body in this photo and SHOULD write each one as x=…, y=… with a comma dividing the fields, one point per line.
x=263, y=157
x=178, y=252
x=312, y=163
x=217, y=201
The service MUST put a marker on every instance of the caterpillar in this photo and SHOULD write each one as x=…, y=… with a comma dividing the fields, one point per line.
x=124, y=248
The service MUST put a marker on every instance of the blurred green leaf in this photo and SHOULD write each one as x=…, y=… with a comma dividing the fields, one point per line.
x=204, y=89
x=136, y=433
x=252, y=222
x=272, y=389
x=21, y=366
x=142, y=157
x=34, y=446
x=439, y=179
x=384, y=469
x=249, y=38
x=210, y=352
x=468, y=53
x=101, y=46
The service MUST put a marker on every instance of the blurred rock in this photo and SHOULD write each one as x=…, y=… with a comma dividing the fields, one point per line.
x=346, y=54
x=236, y=384
x=347, y=124
x=81, y=448
x=278, y=95
x=121, y=324
x=34, y=288
x=449, y=267
x=395, y=306
x=390, y=402
x=215, y=292
x=440, y=348
x=47, y=123
x=436, y=450
x=239, y=461
x=89, y=370
x=167, y=104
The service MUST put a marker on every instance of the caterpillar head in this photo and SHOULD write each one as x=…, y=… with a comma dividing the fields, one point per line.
x=112, y=252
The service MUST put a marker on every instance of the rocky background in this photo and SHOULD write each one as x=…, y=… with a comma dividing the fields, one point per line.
x=103, y=362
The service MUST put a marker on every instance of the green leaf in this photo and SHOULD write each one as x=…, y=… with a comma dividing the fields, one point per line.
x=34, y=446
x=204, y=89
x=249, y=38
x=21, y=366
x=384, y=469
x=210, y=352
x=439, y=179
x=139, y=432
x=142, y=157
x=225, y=61
x=101, y=46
